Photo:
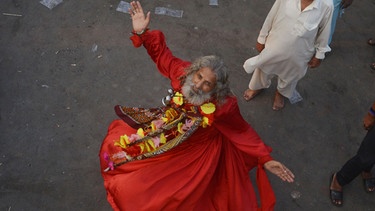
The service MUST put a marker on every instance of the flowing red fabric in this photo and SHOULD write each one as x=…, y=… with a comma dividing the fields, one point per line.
x=209, y=171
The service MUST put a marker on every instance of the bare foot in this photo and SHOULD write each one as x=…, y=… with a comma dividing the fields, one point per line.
x=250, y=94
x=278, y=102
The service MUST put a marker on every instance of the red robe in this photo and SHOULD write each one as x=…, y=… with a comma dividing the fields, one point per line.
x=208, y=171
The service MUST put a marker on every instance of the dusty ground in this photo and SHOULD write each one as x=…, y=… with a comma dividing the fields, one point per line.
x=57, y=93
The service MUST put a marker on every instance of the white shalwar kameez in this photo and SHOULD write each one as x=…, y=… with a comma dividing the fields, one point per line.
x=291, y=39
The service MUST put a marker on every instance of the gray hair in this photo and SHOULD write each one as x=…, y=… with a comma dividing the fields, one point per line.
x=221, y=90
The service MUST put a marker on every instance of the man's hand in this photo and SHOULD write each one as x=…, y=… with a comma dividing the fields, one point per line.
x=140, y=21
x=314, y=62
x=368, y=121
x=259, y=47
x=279, y=170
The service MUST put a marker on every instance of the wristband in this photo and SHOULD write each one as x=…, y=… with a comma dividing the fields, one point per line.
x=141, y=32
x=372, y=111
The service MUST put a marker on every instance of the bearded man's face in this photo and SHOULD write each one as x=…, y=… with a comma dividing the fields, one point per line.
x=198, y=87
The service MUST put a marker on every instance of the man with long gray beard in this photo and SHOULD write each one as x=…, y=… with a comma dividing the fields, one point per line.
x=193, y=153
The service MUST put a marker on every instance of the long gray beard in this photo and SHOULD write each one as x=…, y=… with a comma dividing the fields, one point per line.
x=195, y=98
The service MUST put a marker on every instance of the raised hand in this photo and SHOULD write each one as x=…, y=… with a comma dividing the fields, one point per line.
x=140, y=21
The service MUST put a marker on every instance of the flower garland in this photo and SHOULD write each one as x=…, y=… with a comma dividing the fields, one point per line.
x=206, y=110
x=179, y=121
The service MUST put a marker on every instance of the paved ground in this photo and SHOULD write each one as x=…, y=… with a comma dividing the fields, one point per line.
x=63, y=70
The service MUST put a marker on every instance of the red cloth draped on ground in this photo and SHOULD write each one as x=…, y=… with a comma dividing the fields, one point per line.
x=209, y=171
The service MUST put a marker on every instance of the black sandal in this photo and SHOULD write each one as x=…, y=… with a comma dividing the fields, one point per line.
x=337, y=197
x=369, y=185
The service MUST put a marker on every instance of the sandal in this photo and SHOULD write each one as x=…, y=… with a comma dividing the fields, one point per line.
x=372, y=65
x=371, y=41
x=369, y=185
x=368, y=182
x=337, y=197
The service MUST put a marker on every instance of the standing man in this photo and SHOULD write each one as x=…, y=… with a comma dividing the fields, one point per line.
x=294, y=37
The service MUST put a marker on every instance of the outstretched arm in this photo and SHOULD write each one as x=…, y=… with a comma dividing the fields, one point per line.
x=155, y=44
x=229, y=121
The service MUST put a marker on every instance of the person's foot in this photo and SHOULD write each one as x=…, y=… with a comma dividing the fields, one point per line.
x=371, y=41
x=335, y=191
x=278, y=102
x=368, y=181
x=250, y=94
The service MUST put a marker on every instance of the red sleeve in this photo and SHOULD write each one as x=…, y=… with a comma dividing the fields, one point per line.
x=229, y=121
x=167, y=64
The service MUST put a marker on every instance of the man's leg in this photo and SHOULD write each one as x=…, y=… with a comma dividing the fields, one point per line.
x=362, y=161
x=258, y=82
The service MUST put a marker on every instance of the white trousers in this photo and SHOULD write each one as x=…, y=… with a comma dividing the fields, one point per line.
x=262, y=80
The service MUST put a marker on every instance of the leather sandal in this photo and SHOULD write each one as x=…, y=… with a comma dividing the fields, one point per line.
x=369, y=185
x=337, y=197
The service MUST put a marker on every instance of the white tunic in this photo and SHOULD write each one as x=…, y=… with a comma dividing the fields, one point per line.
x=291, y=39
